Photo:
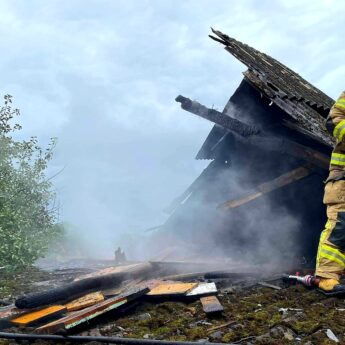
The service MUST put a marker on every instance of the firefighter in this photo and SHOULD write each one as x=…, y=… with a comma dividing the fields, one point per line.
x=330, y=261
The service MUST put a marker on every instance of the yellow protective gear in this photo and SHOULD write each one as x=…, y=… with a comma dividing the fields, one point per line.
x=328, y=284
x=330, y=261
x=336, y=126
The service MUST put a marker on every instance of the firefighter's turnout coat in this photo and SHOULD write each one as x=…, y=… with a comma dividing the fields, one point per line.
x=331, y=253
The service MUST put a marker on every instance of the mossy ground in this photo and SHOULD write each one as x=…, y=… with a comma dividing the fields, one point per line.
x=14, y=283
x=256, y=313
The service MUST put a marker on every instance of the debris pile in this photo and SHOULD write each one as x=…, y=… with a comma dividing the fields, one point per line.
x=108, y=292
x=227, y=306
x=269, y=151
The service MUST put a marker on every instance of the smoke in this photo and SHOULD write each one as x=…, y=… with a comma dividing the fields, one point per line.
x=257, y=232
x=265, y=230
x=102, y=78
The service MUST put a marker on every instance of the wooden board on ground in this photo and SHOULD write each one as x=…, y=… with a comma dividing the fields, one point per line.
x=113, y=270
x=39, y=315
x=85, y=301
x=78, y=317
x=211, y=305
x=203, y=289
x=174, y=288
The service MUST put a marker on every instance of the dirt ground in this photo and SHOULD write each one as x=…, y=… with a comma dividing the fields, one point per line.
x=253, y=314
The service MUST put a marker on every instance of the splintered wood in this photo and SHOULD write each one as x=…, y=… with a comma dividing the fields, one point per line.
x=203, y=289
x=211, y=305
x=85, y=301
x=166, y=289
x=78, y=317
x=267, y=187
x=38, y=315
x=110, y=270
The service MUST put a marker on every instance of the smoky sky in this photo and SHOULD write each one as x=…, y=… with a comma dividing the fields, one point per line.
x=102, y=76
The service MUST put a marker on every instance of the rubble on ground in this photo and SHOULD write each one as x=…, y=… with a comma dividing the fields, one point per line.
x=270, y=139
x=253, y=313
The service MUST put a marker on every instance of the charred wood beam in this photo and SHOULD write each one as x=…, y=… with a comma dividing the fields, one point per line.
x=217, y=117
x=251, y=135
x=81, y=287
x=267, y=187
x=291, y=148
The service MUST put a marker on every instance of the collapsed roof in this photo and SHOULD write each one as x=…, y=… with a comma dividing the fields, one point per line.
x=270, y=155
x=306, y=106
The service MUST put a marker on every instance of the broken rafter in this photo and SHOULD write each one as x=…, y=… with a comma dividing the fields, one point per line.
x=250, y=134
x=268, y=187
x=217, y=117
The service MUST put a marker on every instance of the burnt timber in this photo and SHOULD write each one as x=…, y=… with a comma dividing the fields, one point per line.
x=271, y=127
x=264, y=142
x=268, y=187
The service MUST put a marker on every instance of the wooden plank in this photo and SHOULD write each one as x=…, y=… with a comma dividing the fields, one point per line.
x=110, y=270
x=211, y=305
x=39, y=315
x=78, y=317
x=217, y=117
x=166, y=289
x=251, y=134
x=267, y=187
x=79, y=288
x=85, y=301
x=81, y=316
x=203, y=289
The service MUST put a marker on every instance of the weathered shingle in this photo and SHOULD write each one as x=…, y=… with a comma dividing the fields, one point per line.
x=306, y=106
x=281, y=80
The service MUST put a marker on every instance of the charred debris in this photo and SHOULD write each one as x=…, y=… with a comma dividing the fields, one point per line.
x=269, y=151
x=171, y=303
x=261, y=194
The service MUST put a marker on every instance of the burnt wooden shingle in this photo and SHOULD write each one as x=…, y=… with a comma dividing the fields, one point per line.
x=280, y=80
x=305, y=106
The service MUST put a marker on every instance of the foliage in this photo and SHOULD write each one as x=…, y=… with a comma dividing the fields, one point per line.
x=27, y=211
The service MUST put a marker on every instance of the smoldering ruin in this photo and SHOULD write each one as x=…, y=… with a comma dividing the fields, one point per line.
x=257, y=203
x=261, y=195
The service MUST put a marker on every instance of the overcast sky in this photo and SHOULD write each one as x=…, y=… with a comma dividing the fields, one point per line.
x=102, y=76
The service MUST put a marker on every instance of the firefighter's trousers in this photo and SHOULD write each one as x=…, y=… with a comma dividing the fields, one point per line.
x=330, y=261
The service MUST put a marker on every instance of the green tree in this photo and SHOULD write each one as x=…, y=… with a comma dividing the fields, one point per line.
x=27, y=211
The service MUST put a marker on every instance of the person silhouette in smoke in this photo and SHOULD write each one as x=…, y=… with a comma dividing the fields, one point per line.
x=120, y=256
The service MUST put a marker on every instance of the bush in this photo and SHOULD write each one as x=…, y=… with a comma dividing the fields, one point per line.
x=27, y=213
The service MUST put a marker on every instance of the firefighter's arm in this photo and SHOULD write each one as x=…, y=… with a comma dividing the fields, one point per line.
x=336, y=119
